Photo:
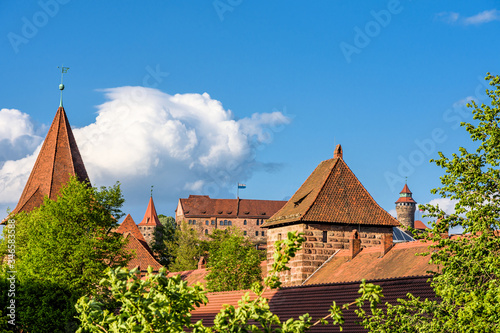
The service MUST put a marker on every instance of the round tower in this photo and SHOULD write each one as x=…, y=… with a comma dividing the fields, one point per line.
x=405, y=208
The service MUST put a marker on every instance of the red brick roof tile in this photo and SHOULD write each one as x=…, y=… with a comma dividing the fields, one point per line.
x=204, y=206
x=400, y=261
x=316, y=300
x=332, y=194
x=59, y=158
x=142, y=258
x=150, y=217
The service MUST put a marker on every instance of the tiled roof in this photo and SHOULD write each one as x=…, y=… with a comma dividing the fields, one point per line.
x=143, y=258
x=405, y=199
x=128, y=226
x=420, y=225
x=332, y=194
x=204, y=206
x=405, y=189
x=317, y=300
x=400, y=261
x=150, y=217
x=59, y=158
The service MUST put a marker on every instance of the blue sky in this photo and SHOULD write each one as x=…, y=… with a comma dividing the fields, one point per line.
x=252, y=91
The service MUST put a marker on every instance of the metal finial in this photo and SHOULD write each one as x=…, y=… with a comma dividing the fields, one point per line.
x=152, y=190
x=61, y=86
x=406, y=180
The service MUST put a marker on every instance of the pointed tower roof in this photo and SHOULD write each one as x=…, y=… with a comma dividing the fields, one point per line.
x=128, y=226
x=58, y=159
x=332, y=194
x=405, y=195
x=150, y=217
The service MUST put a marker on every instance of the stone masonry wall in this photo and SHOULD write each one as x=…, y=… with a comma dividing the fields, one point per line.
x=322, y=240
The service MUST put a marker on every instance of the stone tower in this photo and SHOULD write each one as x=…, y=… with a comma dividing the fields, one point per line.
x=405, y=208
x=149, y=223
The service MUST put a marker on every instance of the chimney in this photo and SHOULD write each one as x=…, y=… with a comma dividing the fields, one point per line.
x=386, y=244
x=337, y=153
x=202, y=263
x=354, y=244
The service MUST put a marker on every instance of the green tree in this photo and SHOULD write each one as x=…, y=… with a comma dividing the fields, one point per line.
x=233, y=262
x=187, y=249
x=62, y=249
x=467, y=282
x=164, y=235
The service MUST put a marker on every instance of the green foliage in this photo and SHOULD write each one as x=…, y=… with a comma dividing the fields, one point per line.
x=161, y=304
x=156, y=304
x=62, y=249
x=164, y=235
x=233, y=262
x=467, y=281
x=187, y=249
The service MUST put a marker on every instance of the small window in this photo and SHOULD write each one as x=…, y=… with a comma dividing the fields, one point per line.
x=262, y=233
x=257, y=221
x=206, y=232
x=245, y=222
x=229, y=223
x=206, y=222
x=244, y=233
x=279, y=237
x=256, y=233
x=225, y=222
x=221, y=222
x=194, y=221
x=325, y=236
x=213, y=221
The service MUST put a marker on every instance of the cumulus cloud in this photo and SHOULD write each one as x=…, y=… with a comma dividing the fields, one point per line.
x=447, y=205
x=181, y=143
x=480, y=18
x=18, y=137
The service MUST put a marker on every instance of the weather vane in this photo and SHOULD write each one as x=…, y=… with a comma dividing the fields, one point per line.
x=64, y=70
x=152, y=190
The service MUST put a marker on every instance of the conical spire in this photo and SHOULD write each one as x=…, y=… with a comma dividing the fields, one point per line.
x=150, y=217
x=58, y=159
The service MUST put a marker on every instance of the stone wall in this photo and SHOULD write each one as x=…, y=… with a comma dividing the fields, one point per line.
x=406, y=214
x=205, y=226
x=322, y=240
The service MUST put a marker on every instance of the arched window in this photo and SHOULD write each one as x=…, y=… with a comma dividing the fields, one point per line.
x=225, y=222
x=257, y=221
x=245, y=222
x=229, y=223
x=279, y=236
x=206, y=232
x=262, y=233
x=206, y=222
x=256, y=233
x=221, y=222
x=213, y=221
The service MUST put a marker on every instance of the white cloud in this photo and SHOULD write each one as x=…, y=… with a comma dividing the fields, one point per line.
x=17, y=135
x=180, y=143
x=480, y=18
x=483, y=17
x=448, y=205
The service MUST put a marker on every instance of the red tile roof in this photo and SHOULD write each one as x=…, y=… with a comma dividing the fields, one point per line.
x=150, y=217
x=420, y=225
x=405, y=189
x=204, y=206
x=142, y=258
x=128, y=226
x=317, y=300
x=400, y=261
x=332, y=194
x=59, y=158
